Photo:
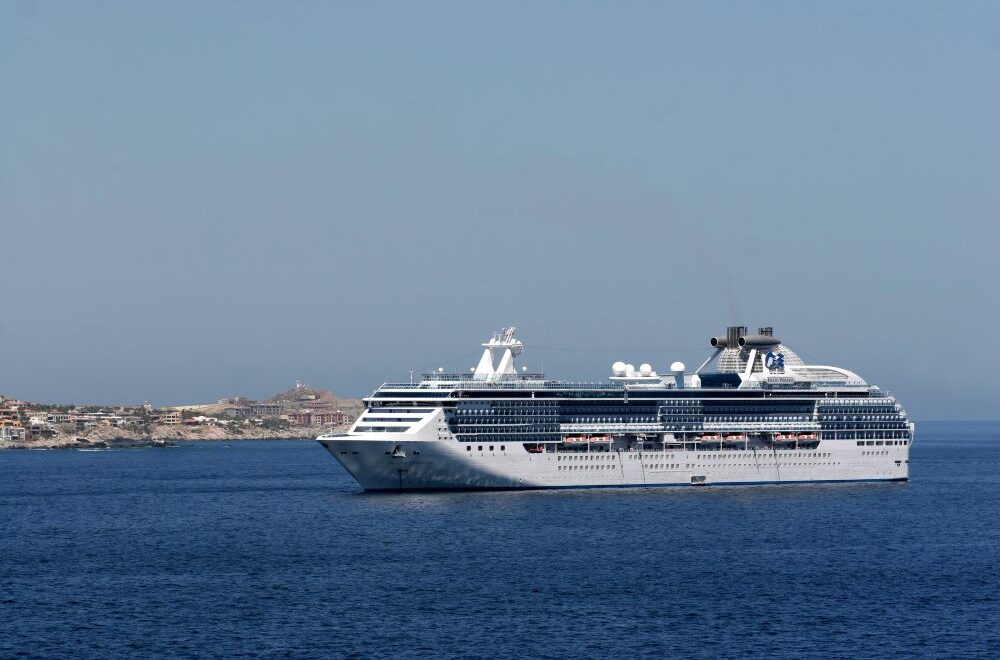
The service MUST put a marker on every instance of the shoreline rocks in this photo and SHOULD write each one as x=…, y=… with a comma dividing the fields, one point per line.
x=159, y=435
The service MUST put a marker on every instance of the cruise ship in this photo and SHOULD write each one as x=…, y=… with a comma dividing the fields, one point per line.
x=753, y=413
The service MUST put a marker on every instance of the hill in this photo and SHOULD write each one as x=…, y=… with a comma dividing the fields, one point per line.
x=302, y=396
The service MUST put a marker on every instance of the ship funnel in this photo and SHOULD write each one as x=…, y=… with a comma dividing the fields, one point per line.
x=737, y=336
x=758, y=341
x=677, y=368
x=733, y=334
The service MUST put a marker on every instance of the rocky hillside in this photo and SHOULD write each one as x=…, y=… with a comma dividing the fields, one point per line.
x=316, y=399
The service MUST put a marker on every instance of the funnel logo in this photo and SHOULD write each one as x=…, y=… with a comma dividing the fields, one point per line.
x=774, y=360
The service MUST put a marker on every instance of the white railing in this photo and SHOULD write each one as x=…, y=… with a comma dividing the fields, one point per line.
x=611, y=428
x=760, y=426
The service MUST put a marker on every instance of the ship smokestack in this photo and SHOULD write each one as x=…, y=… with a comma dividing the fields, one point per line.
x=759, y=341
x=733, y=334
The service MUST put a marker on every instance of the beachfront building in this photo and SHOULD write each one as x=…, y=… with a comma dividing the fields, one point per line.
x=255, y=410
x=169, y=417
x=318, y=418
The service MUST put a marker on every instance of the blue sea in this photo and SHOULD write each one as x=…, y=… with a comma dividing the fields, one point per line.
x=268, y=549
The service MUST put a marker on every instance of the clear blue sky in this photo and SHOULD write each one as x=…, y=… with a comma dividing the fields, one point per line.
x=205, y=199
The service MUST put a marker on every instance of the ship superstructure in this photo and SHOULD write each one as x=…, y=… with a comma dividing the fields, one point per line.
x=754, y=412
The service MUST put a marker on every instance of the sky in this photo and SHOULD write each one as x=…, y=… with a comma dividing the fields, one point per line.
x=200, y=200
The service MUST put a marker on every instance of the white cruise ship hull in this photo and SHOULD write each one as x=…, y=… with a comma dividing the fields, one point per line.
x=409, y=464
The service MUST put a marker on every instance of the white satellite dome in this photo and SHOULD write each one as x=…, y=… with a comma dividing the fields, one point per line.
x=677, y=366
x=618, y=368
x=629, y=369
x=645, y=369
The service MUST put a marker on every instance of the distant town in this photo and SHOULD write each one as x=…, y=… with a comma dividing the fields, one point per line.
x=300, y=412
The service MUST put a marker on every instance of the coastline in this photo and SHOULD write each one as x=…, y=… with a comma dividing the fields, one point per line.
x=158, y=435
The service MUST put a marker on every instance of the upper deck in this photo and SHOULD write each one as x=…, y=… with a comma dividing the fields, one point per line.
x=753, y=396
x=740, y=362
x=571, y=390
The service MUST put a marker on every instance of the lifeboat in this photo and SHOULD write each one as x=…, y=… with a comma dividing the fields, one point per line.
x=710, y=437
x=736, y=437
x=585, y=439
x=807, y=436
x=785, y=437
x=536, y=449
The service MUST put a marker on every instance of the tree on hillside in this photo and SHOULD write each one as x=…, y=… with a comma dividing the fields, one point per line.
x=275, y=424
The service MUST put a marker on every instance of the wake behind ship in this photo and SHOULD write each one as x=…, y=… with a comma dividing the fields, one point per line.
x=752, y=413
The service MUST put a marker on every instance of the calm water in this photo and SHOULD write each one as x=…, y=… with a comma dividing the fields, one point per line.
x=268, y=549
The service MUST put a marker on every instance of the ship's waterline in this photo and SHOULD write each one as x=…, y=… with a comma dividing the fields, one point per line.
x=753, y=413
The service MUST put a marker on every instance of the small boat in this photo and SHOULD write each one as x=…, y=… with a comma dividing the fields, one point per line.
x=807, y=436
x=710, y=437
x=536, y=449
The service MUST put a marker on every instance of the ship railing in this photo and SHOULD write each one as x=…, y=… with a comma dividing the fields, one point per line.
x=875, y=395
x=446, y=385
x=760, y=426
x=441, y=376
x=611, y=428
